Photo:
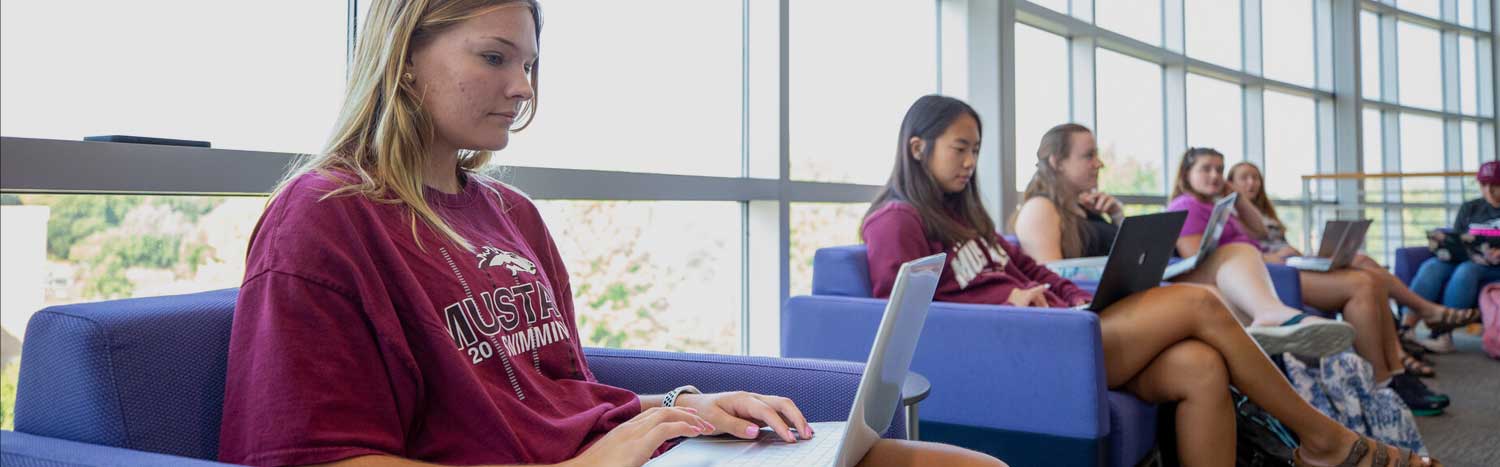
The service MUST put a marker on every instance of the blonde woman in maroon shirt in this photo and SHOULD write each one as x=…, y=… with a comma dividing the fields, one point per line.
x=400, y=309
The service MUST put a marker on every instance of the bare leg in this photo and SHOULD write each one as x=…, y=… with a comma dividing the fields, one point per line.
x=1397, y=289
x=1363, y=299
x=1192, y=374
x=904, y=453
x=1252, y=293
x=1139, y=328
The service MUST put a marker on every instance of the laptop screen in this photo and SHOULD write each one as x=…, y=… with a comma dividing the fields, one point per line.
x=1216, y=222
x=896, y=341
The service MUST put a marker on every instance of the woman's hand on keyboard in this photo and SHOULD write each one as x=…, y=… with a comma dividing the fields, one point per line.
x=633, y=442
x=741, y=414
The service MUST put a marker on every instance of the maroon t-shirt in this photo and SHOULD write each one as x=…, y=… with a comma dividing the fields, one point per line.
x=351, y=337
x=974, y=273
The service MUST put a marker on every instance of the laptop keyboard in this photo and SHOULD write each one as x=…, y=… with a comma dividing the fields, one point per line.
x=818, y=451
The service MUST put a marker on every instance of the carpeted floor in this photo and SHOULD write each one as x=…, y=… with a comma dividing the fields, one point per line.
x=1468, y=433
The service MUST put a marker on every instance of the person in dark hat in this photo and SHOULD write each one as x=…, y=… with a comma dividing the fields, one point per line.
x=1455, y=279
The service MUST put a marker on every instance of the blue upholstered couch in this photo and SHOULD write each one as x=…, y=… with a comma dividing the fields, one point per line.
x=1024, y=384
x=1408, y=260
x=141, y=382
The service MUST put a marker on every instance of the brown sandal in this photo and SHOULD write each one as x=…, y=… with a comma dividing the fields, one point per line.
x=1450, y=319
x=1360, y=449
x=1417, y=367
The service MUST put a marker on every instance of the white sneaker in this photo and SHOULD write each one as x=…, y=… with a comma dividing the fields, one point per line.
x=1314, y=338
x=1443, y=343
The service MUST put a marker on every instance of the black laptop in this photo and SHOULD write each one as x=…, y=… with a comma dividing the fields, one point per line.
x=1138, y=257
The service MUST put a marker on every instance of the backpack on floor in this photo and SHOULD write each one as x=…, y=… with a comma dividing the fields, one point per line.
x=1342, y=386
x=1489, y=309
x=1260, y=439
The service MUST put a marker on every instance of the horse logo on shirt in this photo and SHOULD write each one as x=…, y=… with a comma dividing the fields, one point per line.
x=495, y=257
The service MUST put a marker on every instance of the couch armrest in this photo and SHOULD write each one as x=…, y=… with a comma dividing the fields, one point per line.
x=24, y=449
x=823, y=389
x=1288, y=284
x=1008, y=368
x=1408, y=260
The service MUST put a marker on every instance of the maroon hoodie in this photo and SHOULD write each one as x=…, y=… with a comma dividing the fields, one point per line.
x=974, y=273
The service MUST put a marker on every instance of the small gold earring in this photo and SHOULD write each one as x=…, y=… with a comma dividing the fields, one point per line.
x=408, y=77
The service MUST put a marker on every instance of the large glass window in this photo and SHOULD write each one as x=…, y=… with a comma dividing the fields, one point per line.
x=1041, y=94
x=1060, y=6
x=1215, y=118
x=1288, y=31
x=1421, y=151
x=1421, y=72
x=819, y=225
x=61, y=249
x=1470, y=163
x=1130, y=124
x=1374, y=161
x=843, y=124
x=1431, y=8
x=179, y=69
x=1369, y=54
x=1466, y=12
x=621, y=90
x=1291, y=143
x=1213, y=31
x=1140, y=19
x=652, y=275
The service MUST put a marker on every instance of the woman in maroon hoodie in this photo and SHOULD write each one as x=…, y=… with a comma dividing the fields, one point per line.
x=1176, y=343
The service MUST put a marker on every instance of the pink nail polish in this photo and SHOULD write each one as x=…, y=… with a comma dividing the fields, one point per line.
x=750, y=431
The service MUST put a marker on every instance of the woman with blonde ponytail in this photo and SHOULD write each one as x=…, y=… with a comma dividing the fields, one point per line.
x=399, y=308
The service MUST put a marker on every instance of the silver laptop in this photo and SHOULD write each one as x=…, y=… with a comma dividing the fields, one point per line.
x=1211, y=234
x=1341, y=241
x=840, y=444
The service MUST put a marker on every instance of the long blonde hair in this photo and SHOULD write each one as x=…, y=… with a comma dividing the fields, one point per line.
x=1260, y=200
x=1047, y=183
x=383, y=133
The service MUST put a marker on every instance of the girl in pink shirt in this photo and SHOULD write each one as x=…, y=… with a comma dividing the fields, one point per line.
x=1361, y=295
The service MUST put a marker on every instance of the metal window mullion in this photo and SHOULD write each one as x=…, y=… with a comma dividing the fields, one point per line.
x=1173, y=88
x=1082, y=9
x=1004, y=34
x=1340, y=119
x=1421, y=19
x=1485, y=16
x=1082, y=76
x=1254, y=101
x=784, y=207
x=1389, y=60
x=351, y=33
x=1484, y=68
x=1252, y=32
x=1174, y=26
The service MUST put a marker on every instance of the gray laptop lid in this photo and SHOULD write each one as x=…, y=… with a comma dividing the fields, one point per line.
x=1350, y=242
x=1333, y=236
x=896, y=341
x=1215, y=227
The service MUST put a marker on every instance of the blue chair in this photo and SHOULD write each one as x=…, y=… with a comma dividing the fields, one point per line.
x=1408, y=260
x=1024, y=384
x=141, y=382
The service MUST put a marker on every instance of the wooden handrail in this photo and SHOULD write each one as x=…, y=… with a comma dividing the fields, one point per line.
x=1359, y=176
